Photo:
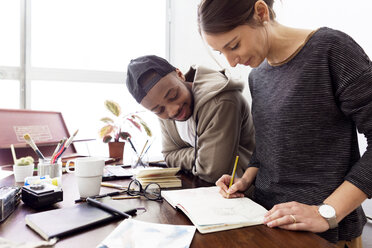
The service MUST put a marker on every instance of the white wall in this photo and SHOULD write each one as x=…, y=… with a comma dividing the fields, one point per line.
x=351, y=17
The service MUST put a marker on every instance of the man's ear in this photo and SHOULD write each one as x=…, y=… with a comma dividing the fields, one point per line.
x=180, y=74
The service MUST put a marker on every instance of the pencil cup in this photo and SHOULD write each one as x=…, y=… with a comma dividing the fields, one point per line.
x=46, y=167
x=88, y=174
x=139, y=163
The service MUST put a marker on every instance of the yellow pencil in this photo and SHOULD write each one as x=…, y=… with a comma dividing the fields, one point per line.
x=113, y=185
x=139, y=157
x=233, y=174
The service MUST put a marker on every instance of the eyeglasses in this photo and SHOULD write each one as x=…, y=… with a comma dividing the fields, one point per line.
x=152, y=191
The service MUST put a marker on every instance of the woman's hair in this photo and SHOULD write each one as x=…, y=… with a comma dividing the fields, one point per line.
x=219, y=16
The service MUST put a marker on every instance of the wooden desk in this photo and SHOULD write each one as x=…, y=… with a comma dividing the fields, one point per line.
x=260, y=236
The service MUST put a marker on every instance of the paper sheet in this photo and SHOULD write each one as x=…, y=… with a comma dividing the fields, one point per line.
x=133, y=233
x=5, y=173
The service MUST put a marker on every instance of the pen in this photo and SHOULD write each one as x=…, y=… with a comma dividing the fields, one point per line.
x=125, y=197
x=114, y=193
x=65, y=146
x=13, y=154
x=69, y=141
x=147, y=149
x=57, y=149
x=131, y=144
x=139, y=158
x=29, y=141
x=107, y=208
x=60, y=150
x=110, y=194
x=233, y=173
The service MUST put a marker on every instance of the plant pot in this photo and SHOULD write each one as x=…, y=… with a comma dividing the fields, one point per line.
x=22, y=171
x=116, y=150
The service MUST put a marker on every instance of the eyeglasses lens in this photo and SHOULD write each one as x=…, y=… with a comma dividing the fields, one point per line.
x=134, y=188
x=153, y=191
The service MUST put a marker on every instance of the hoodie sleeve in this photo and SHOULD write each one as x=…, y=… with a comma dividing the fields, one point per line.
x=218, y=138
x=176, y=154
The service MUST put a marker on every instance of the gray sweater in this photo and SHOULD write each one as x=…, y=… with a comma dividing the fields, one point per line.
x=306, y=113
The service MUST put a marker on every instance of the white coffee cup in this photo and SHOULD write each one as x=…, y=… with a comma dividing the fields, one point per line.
x=88, y=172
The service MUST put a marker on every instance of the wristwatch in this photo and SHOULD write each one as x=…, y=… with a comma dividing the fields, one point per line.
x=329, y=214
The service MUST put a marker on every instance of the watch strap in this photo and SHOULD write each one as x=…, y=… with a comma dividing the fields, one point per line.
x=332, y=222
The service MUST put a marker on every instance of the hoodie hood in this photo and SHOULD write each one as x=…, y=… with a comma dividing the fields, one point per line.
x=202, y=88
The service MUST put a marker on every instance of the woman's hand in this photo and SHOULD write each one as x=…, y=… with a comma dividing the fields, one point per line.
x=240, y=184
x=296, y=216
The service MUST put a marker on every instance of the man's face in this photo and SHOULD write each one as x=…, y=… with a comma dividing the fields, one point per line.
x=170, y=98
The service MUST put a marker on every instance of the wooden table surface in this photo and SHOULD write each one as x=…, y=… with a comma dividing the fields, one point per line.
x=15, y=229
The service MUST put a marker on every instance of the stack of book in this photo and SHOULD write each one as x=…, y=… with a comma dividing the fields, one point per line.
x=165, y=177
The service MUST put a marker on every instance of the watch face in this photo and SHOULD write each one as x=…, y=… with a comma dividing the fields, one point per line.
x=327, y=211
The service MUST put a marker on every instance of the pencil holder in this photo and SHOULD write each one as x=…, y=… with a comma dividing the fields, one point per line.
x=136, y=162
x=45, y=167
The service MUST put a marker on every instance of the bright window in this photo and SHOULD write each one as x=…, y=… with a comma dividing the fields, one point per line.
x=96, y=34
x=74, y=55
x=9, y=94
x=10, y=32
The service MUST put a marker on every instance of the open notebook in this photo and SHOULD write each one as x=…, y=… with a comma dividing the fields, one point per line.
x=210, y=212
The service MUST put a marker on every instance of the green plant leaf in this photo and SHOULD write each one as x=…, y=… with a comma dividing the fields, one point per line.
x=107, y=120
x=144, y=124
x=106, y=130
x=107, y=139
x=113, y=107
x=124, y=135
x=147, y=129
x=134, y=116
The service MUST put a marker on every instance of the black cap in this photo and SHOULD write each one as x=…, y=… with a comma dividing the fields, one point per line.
x=144, y=72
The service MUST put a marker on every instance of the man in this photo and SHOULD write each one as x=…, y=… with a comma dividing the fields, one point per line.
x=205, y=120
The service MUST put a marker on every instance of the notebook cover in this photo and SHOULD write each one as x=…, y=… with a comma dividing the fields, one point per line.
x=65, y=221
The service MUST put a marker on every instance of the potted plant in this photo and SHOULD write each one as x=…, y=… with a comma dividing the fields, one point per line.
x=22, y=168
x=112, y=132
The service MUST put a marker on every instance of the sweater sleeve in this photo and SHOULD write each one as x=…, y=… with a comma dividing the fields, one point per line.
x=351, y=71
x=176, y=155
x=254, y=161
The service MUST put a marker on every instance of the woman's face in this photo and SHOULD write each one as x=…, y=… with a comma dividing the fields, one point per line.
x=244, y=45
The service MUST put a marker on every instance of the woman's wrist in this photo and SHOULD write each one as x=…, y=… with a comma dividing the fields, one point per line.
x=249, y=175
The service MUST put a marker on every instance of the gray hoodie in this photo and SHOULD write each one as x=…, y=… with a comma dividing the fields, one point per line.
x=224, y=129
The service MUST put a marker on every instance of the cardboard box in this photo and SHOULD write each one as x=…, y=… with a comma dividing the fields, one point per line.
x=45, y=128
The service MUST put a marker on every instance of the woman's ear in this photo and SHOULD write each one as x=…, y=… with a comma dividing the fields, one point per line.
x=180, y=74
x=261, y=12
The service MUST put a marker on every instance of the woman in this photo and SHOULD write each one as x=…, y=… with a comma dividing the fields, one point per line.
x=310, y=90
